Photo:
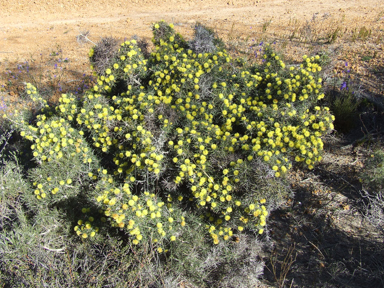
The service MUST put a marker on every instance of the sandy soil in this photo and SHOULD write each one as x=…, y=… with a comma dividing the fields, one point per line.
x=31, y=27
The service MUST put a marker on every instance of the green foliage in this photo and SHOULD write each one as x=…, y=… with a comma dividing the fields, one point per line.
x=344, y=103
x=363, y=34
x=333, y=35
x=344, y=106
x=266, y=24
x=163, y=145
x=366, y=58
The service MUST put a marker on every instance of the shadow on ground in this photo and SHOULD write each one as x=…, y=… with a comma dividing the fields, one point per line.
x=321, y=237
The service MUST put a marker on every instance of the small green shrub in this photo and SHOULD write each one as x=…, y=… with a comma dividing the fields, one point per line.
x=363, y=34
x=344, y=101
x=186, y=138
x=344, y=105
x=333, y=35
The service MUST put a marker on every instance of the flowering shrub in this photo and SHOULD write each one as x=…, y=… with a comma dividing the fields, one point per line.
x=188, y=133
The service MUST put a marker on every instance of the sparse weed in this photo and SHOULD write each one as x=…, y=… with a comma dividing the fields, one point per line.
x=373, y=177
x=324, y=59
x=83, y=38
x=333, y=35
x=306, y=32
x=373, y=185
x=362, y=34
x=280, y=269
x=266, y=24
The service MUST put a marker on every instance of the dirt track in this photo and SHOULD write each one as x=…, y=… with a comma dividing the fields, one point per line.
x=28, y=28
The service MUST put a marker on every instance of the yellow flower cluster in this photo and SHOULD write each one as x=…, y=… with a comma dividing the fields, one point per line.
x=52, y=186
x=128, y=66
x=222, y=232
x=162, y=30
x=67, y=107
x=254, y=214
x=192, y=147
x=18, y=117
x=138, y=214
x=55, y=142
x=35, y=96
x=258, y=211
x=87, y=228
x=91, y=53
x=136, y=151
x=54, y=139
